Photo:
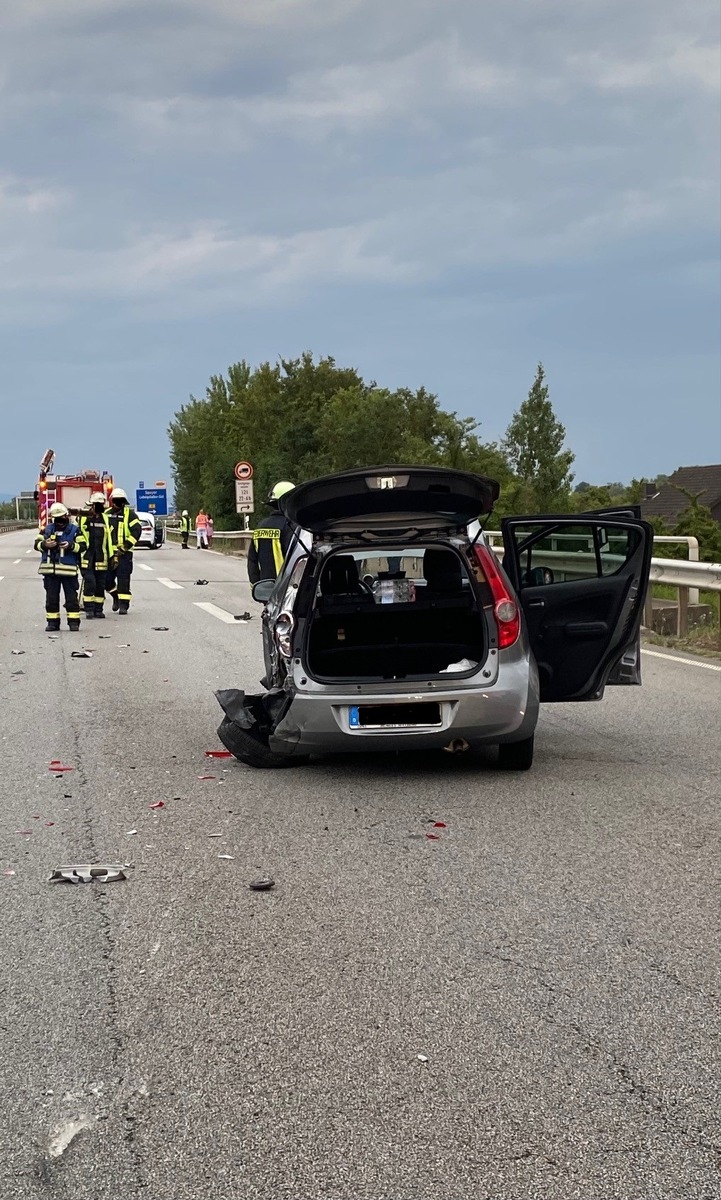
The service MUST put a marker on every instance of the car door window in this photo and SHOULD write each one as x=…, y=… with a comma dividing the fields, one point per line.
x=572, y=552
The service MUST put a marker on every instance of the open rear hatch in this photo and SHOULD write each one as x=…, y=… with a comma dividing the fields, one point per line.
x=390, y=502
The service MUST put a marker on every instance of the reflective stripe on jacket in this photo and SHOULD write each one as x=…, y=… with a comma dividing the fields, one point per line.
x=270, y=544
x=125, y=528
x=58, y=560
x=96, y=541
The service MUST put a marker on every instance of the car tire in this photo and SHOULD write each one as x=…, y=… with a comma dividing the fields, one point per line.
x=516, y=756
x=251, y=750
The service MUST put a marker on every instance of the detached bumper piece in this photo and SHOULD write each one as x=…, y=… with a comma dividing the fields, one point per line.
x=248, y=724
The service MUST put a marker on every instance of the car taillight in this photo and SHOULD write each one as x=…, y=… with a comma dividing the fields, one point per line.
x=284, y=634
x=505, y=609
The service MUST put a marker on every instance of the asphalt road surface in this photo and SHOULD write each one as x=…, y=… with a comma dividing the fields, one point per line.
x=526, y=1007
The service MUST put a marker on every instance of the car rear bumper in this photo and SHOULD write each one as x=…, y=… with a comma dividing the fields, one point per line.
x=504, y=712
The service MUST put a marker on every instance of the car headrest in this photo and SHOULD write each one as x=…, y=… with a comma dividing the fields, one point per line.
x=340, y=577
x=442, y=571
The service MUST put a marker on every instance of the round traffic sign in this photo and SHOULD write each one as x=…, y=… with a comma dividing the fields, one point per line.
x=243, y=470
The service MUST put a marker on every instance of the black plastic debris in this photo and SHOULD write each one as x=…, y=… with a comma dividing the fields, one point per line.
x=200, y=582
x=246, y=616
x=17, y=652
x=88, y=872
x=158, y=629
x=17, y=672
x=265, y=884
x=82, y=654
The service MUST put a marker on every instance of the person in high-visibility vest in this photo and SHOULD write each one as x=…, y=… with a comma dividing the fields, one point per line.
x=185, y=527
x=125, y=530
x=272, y=538
x=59, y=545
x=96, y=553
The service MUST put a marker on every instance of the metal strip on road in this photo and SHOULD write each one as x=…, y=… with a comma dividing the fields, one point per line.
x=169, y=583
x=214, y=611
x=688, y=662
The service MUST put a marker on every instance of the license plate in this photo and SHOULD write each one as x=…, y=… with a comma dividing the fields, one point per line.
x=393, y=716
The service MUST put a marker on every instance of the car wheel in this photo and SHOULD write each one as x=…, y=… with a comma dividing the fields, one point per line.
x=250, y=750
x=516, y=756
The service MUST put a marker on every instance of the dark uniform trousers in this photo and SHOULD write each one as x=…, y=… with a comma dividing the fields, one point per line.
x=94, y=584
x=69, y=585
x=118, y=579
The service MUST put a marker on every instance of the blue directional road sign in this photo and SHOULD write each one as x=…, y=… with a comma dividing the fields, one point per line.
x=152, y=500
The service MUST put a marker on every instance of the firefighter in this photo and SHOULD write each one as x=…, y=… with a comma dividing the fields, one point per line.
x=125, y=529
x=59, y=567
x=272, y=538
x=96, y=554
x=185, y=527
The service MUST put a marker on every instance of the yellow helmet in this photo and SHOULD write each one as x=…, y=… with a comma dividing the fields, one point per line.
x=280, y=489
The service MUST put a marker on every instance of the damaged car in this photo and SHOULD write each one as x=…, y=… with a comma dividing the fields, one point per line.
x=394, y=626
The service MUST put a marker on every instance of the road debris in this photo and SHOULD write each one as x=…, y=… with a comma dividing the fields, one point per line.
x=88, y=872
x=264, y=884
x=228, y=856
x=131, y=832
x=422, y=1057
x=65, y=1134
x=17, y=673
x=52, y=637
x=158, y=629
x=104, y=637
x=200, y=582
x=81, y=654
x=157, y=804
x=246, y=616
x=123, y=645
x=433, y=837
x=17, y=652
x=8, y=872
x=218, y=754
x=439, y=825
x=206, y=777
x=57, y=766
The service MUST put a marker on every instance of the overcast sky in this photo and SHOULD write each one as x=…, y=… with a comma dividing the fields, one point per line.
x=439, y=193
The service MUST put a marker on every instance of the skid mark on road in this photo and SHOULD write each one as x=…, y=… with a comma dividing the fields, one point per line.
x=214, y=611
x=688, y=662
x=169, y=583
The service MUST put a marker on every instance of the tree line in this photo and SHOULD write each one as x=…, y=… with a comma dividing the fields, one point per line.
x=300, y=418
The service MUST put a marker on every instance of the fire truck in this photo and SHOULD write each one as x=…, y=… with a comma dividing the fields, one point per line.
x=73, y=491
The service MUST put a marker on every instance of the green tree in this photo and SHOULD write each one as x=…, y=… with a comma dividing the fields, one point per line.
x=697, y=521
x=534, y=447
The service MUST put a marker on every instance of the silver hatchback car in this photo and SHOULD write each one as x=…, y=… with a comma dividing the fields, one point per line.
x=393, y=625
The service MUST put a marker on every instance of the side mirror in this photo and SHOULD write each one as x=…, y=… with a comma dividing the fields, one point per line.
x=263, y=590
x=538, y=576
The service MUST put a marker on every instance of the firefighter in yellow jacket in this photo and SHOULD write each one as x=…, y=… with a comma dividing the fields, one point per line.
x=96, y=553
x=125, y=529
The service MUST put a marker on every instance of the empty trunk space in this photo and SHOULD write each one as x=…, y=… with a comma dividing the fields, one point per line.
x=393, y=642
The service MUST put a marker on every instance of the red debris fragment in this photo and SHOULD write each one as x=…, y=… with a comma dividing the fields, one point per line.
x=8, y=872
x=433, y=837
x=439, y=825
x=49, y=823
x=58, y=766
x=218, y=754
x=158, y=804
x=206, y=777
x=24, y=832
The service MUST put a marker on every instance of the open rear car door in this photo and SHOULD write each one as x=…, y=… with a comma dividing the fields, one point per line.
x=581, y=581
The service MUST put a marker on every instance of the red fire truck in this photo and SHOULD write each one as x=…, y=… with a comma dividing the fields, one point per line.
x=73, y=491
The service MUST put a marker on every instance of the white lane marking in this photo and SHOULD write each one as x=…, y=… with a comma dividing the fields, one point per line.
x=28, y=552
x=1, y=578
x=144, y=567
x=169, y=583
x=688, y=662
x=214, y=611
x=16, y=561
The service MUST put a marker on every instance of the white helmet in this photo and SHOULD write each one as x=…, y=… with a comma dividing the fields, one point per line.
x=58, y=510
x=185, y=512
x=118, y=494
x=97, y=498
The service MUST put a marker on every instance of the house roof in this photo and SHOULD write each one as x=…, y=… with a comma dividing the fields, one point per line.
x=670, y=502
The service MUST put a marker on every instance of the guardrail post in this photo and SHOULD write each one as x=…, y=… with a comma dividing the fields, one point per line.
x=683, y=611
